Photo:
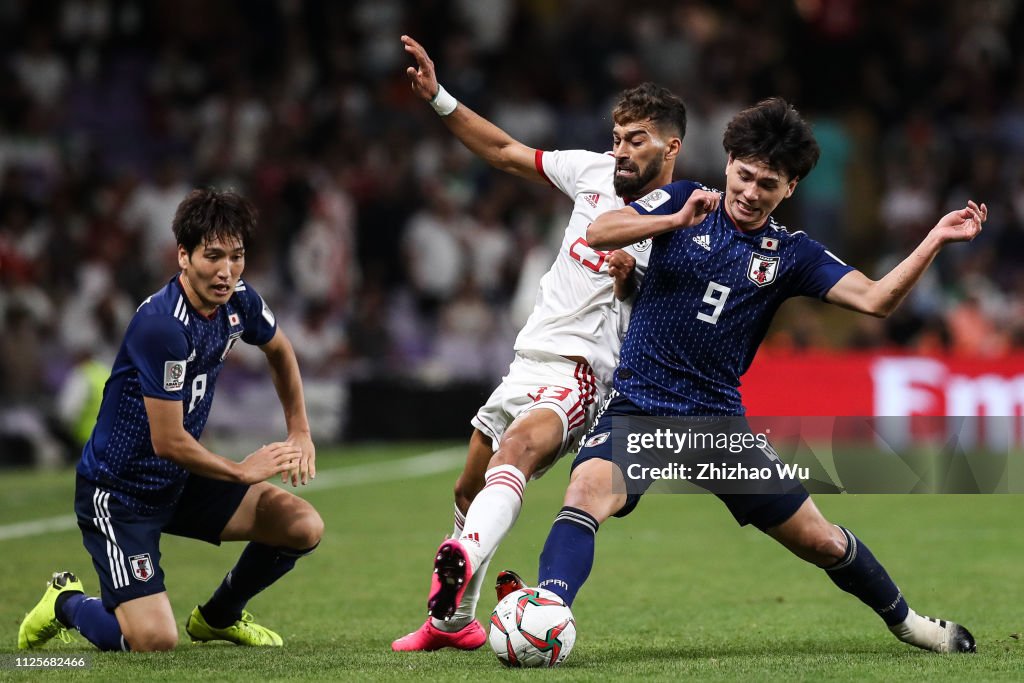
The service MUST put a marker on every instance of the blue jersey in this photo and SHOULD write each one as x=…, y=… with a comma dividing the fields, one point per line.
x=706, y=303
x=170, y=351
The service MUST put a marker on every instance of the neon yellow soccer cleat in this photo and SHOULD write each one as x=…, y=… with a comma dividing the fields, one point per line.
x=40, y=625
x=242, y=632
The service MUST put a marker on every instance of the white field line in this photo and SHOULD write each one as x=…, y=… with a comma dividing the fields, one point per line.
x=369, y=473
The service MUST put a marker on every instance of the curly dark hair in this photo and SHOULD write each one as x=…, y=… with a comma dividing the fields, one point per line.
x=651, y=101
x=206, y=214
x=773, y=131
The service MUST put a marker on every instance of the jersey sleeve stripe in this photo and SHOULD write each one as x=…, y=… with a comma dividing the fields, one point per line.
x=538, y=161
x=839, y=260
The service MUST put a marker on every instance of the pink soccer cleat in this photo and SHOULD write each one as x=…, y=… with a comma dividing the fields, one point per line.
x=452, y=572
x=427, y=638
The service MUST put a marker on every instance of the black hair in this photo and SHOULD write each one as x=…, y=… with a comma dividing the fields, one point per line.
x=651, y=101
x=773, y=132
x=206, y=215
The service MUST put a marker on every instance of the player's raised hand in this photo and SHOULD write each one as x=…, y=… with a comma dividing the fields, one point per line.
x=699, y=204
x=962, y=225
x=305, y=469
x=269, y=460
x=421, y=76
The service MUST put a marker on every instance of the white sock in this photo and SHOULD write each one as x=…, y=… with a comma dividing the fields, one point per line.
x=924, y=632
x=493, y=513
x=460, y=522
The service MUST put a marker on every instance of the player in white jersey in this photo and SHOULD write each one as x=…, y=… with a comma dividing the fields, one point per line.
x=569, y=347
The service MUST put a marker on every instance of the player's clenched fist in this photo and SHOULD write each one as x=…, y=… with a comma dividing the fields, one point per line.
x=697, y=207
x=621, y=264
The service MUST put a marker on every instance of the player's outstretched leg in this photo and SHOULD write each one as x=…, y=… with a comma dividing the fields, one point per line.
x=853, y=567
x=243, y=631
x=860, y=574
x=41, y=624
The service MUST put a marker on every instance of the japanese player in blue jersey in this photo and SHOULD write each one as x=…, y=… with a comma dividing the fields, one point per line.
x=720, y=266
x=144, y=473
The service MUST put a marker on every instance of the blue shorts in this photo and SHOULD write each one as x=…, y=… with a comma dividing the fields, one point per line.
x=125, y=546
x=765, y=507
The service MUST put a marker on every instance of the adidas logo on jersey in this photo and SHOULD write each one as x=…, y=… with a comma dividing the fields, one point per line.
x=703, y=241
x=592, y=199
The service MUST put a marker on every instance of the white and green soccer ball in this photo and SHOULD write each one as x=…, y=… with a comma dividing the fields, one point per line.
x=532, y=627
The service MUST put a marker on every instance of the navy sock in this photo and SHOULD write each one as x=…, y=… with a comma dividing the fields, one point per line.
x=568, y=554
x=94, y=621
x=860, y=574
x=259, y=566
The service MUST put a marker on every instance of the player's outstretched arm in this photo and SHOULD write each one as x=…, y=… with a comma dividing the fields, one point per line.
x=483, y=138
x=171, y=441
x=858, y=292
x=622, y=227
x=284, y=371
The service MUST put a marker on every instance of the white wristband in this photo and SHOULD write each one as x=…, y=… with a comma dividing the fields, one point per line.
x=443, y=102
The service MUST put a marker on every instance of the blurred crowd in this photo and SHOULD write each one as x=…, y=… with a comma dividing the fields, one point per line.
x=388, y=250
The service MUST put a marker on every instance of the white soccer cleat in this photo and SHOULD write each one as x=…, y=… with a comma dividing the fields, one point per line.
x=937, y=635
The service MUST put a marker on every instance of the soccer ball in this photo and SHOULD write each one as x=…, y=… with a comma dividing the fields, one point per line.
x=532, y=627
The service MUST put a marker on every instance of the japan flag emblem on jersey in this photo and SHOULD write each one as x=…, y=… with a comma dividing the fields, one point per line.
x=763, y=269
x=142, y=567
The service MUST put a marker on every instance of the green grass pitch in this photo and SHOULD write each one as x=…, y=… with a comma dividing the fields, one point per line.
x=678, y=590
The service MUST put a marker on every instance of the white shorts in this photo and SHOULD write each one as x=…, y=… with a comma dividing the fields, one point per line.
x=543, y=380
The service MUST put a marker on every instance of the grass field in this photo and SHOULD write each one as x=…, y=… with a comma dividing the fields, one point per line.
x=678, y=590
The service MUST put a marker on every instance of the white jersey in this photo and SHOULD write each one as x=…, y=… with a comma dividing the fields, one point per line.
x=576, y=312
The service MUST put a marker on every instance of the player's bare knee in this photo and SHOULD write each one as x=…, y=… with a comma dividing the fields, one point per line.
x=314, y=529
x=818, y=544
x=588, y=495
x=833, y=543
x=307, y=531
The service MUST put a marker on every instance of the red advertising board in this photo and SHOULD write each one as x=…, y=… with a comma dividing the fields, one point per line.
x=880, y=384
